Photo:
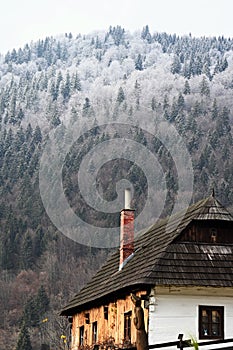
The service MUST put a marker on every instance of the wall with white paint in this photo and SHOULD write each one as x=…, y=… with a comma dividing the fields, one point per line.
x=175, y=310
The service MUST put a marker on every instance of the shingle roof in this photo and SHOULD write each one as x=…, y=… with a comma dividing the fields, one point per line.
x=159, y=261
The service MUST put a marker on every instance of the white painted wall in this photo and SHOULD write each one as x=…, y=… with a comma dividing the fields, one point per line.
x=176, y=311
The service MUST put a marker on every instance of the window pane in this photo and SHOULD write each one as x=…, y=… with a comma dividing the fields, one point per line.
x=215, y=316
x=204, y=316
x=215, y=329
x=81, y=335
x=94, y=332
x=127, y=326
x=211, y=322
x=205, y=329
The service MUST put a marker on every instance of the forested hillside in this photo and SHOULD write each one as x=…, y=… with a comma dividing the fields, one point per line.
x=70, y=80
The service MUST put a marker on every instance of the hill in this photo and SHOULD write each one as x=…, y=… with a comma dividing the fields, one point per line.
x=63, y=97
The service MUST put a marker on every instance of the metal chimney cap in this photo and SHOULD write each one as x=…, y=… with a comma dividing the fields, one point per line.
x=127, y=198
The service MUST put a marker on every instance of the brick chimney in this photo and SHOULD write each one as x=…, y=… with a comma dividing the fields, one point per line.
x=126, y=231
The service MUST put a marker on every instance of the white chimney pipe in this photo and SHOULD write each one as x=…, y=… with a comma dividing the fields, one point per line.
x=127, y=198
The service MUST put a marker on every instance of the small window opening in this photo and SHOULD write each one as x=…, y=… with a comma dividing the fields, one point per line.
x=87, y=318
x=127, y=326
x=213, y=235
x=94, y=332
x=106, y=312
x=81, y=335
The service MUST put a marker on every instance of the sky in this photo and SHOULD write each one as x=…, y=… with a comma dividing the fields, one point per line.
x=23, y=21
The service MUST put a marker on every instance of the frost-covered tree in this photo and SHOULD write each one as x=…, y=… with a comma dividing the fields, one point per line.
x=139, y=62
x=176, y=65
x=204, y=87
x=186, y=90
x=120, y=95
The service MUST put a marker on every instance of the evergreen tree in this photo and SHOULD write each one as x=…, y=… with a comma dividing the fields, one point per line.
x=76, y=83
x=186, y=90
x=186, y=69
x=29, y=132
x=66, y=88
x=206, y=71
x=24, y=342
x=120, y=95
x=30, y=314
x=180, y=102
x=198, y=66
x=27, y=252
x=165, y=103
x=37, y=136
x=204, y=87
x=196, y=110
x=42, y=301
x=53, y=91
x=153, y=104
x=87, y=108
x=146, y=34
x=39, y=242
x=214, y=112
x=139, y=62
x=224, y=65
x=20, y=115
x=59, y=81
x=176, y=65
x=137, y=92
x=226, y=120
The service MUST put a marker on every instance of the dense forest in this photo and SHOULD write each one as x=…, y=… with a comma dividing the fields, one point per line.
x=54, y=85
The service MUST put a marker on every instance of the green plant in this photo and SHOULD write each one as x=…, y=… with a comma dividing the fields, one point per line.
x=194, y=342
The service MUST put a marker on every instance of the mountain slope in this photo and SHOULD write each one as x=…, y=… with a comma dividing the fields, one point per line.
x=88, y=85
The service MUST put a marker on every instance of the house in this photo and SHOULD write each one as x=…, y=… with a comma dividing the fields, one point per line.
x=181, y=268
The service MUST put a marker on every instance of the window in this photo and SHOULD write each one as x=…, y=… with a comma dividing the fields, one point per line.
x=81, y=335
x=211, y=322
x=213, y=235
x=127, y=326
x=87, y=318
x=94, y=332
x=106, y=312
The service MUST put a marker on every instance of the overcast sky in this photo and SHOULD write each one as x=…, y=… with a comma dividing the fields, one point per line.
x=24, y=20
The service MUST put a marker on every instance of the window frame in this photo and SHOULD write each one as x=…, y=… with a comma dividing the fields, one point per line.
x=127, y=326
x=81, y=335
x=106, y=312
x=210, y=322
x=94, y=332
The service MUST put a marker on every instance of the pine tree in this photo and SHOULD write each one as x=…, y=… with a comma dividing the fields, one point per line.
x=37, y=136
x=214, y=112
x=42, y=301
x=180, y=102
x=66, y=87
x=204, y=87
x=176, y=65
x=87, y=107
x=24, y=342
x=139, y=62
x=186, y=88
x=224, y=65
x=120, y=95
x=39, y=242
x=27, y=252
x=146, y=34
x=206, y=70
x=153, y=104
x=29, y=132
x=76, y=83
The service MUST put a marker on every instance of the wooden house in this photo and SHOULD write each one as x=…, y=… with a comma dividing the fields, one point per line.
x=182, y=270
